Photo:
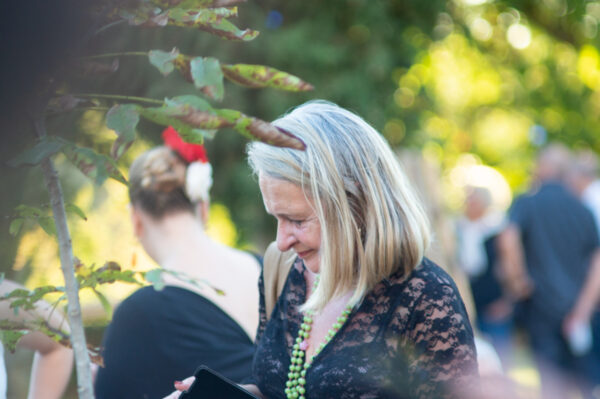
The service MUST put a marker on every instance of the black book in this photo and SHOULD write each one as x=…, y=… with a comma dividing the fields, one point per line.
x=211, y=385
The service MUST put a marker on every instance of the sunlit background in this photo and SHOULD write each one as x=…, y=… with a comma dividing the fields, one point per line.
x=474, y=87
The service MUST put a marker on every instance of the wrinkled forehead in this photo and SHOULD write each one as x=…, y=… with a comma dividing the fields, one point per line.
x=282, y=197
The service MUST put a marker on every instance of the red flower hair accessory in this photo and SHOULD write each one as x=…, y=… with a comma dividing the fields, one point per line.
x=188, y=151
x=198, y=175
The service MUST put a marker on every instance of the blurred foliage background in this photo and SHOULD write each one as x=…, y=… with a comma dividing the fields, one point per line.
x=474, y=85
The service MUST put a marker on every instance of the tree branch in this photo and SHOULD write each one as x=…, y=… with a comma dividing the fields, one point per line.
x=117, y=54
x=119, y=97
x=82, y=359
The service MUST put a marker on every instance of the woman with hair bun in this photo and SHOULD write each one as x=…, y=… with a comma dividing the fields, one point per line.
x=362, y=314
x=156, y=336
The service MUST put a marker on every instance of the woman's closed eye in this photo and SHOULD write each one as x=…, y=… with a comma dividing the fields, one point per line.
x=297, y=222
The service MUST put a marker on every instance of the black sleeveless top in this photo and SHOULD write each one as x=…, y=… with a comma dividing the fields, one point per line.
x=157, y=337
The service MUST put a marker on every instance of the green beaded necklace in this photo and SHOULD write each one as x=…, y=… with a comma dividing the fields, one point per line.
x=294, y=387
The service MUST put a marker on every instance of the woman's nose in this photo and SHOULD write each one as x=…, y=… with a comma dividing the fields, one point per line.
x=285, y=237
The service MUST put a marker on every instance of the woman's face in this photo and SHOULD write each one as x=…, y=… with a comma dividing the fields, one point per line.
x=298, y=227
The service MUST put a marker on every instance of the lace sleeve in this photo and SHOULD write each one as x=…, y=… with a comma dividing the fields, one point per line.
x=441, y=351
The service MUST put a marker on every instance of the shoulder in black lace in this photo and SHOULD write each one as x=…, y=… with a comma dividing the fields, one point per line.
x=409, y=338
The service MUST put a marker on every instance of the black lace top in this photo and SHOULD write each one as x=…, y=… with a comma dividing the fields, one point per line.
x=407, y=339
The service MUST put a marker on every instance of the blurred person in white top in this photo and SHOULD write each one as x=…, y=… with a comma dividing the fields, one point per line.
x=476, y=231
x=52, y=362
x=477, y=224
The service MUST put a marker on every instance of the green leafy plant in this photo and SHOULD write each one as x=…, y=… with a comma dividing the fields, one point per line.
x=194, y=116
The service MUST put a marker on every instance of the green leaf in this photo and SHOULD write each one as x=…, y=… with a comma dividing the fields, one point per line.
x=189, y=100
x=166, y=117
x=26, y=299
x=259, y=76
x=195, y=3
x=122, y=118
x=72, y=208
x=24, y=303
x=226, y=30
x=242, y=126
x=208, y=77
x=17, y=293
x=176, y=108
x=154, y=277
x=27, y=211
x=108, y=309
x=15, y=226
x=145, y=15
x=193, y=15
x=47, y=223
x=97, y=167
x=33, y=156
x=39, y=292
x=111, y=272
x=163, y=60
x=212, y=21
x=230, y=115
x=10, y=338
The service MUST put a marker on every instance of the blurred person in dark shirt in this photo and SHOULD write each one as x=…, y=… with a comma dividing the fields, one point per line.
x=550, y=265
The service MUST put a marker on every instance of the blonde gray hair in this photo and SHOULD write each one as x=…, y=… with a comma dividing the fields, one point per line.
x=372, y=222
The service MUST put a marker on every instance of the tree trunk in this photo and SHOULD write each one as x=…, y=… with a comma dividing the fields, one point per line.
x=82, y=359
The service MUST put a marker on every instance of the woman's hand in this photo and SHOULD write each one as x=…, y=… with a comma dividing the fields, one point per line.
x=187, y=383
x=181, y=386
x=253, y=389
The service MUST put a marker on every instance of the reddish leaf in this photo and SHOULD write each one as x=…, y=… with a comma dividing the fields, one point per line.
x=93, y=351
x=95, y=356
x=174, y=109
x=203, y=119
x=96, y=166
x=269, y=134
x=182, y=64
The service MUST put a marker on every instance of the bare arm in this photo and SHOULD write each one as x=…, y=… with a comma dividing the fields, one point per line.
x=52, y=363
x=512, y=263
x=51, y=369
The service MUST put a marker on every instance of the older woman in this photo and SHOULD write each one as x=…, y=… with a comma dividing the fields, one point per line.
x=362, y=314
